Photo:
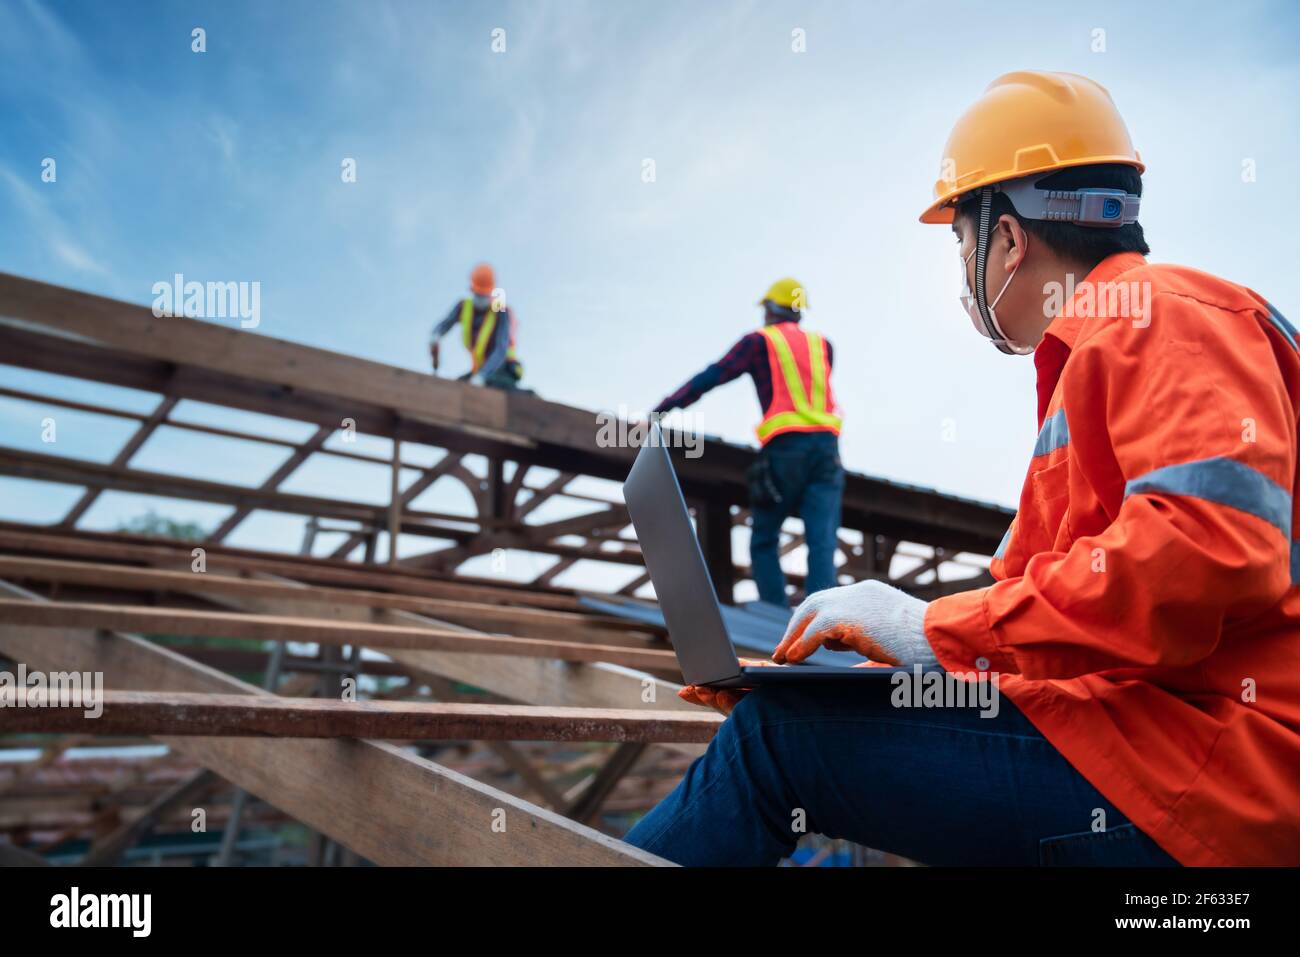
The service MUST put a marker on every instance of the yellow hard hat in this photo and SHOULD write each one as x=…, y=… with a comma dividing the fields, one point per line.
x=1029, y=122
x=786, y=292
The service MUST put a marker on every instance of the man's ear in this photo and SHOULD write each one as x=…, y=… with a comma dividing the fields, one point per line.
x=1010, y=232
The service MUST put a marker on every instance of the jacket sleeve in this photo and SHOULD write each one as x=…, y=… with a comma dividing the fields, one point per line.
x=734, y=364
x=444, y=325
x=1191, y=418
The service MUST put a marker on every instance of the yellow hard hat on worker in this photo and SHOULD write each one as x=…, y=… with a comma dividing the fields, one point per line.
x=788, y=293
x=1027, y=123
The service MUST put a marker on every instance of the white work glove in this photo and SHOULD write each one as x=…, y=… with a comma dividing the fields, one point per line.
x=875, y=620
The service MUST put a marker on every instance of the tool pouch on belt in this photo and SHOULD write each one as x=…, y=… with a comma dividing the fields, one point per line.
x=763, y=492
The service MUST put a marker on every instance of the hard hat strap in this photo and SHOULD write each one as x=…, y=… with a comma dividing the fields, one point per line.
x=981, y=262
x=982, y=239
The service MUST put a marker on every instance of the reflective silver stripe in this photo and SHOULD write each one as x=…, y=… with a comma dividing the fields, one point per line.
x=1289, y=333
x=1054, y=434
x=1281, y=325
x=1222, y=480
x=1006, y=537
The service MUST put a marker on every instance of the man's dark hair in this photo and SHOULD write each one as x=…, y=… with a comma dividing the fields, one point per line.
x=782, y=313
x=1087, y=244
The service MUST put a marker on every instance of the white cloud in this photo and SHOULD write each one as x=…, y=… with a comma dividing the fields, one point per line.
x=49, y=226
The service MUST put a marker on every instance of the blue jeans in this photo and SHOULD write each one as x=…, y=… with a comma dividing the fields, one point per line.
x=806, y=470
x=941, y=786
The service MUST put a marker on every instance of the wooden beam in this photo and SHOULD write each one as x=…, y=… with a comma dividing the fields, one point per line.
x=57, y=468
x=511, y=496
x=134, y=329
x=113, y=547
x=588, y=804
x=106, y=851
x=530, y=775
x=544, y=494
x=235, y=660
x=714, y=524
x=631, y=587
x=146, y=428
x=237, y=715
x=217, y=624
x=299, y=455
x=929, y=565
x=532, y=537
x=49, y=755
x=427, y=478
x=35, y=397
x=538, y=622
x=526, y=680
x=379, y=800
x=395, y=502
x=559, y=568
x=125, y=344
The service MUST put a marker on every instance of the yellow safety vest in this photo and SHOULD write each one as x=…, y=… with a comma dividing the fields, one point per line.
x=478, y=346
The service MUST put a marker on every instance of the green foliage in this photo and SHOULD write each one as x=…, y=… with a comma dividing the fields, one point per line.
x=160, y=526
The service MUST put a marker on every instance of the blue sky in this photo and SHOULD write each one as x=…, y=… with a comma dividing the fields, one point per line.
x=225, y=165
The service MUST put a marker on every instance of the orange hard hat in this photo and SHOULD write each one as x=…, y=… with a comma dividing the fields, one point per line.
x=1029, y=122
x=482, y=280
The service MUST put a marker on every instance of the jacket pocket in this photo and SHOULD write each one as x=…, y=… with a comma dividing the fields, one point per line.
x=1043, y=505
x=1049, y=485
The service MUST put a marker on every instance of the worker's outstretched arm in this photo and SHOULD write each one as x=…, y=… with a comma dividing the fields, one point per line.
x=735, y=363
x=1190, y=418
x=441, y=329
x=444, y=325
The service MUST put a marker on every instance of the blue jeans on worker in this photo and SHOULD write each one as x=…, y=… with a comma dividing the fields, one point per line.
x=805, y=469
x=941, y=786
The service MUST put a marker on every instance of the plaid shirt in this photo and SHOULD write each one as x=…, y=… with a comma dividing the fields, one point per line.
x=747, y=355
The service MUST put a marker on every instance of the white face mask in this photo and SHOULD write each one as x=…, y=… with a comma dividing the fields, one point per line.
x=973, y=310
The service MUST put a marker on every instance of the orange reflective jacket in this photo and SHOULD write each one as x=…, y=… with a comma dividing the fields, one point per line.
x=802, y=400
x=1145, y=617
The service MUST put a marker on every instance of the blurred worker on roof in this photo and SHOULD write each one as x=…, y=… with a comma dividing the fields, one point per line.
x=1144, y=623
x=487, y=328
x=797, y=471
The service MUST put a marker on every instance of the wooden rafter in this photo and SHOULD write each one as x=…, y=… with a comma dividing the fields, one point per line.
x=221, y=715
x=382, y=802
x=216, y=624
x=299, y=455
x=147, y=427
x=538, y=621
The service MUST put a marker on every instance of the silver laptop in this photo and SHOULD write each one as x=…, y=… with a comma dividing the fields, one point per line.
x=685, y=591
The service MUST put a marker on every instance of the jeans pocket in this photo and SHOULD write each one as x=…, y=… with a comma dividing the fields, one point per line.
x=1121, y=846
x=763, y=490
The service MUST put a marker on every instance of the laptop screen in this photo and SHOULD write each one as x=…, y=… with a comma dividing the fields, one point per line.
x=676, y=564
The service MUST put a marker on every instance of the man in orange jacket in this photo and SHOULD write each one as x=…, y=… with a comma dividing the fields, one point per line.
x=1145, y=618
